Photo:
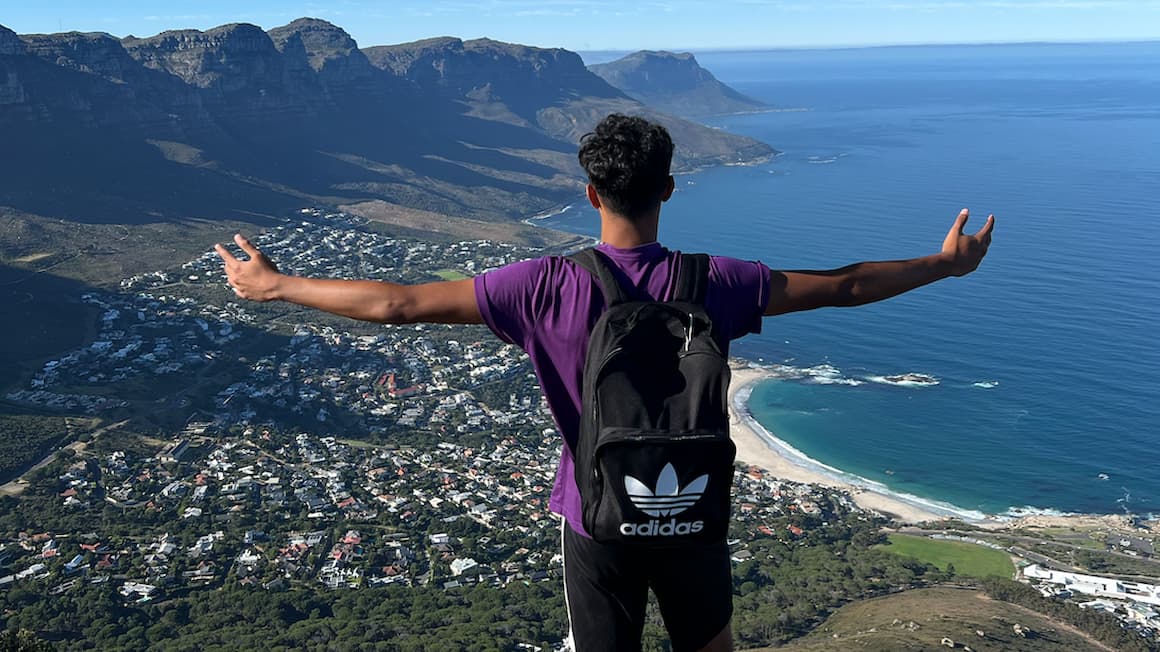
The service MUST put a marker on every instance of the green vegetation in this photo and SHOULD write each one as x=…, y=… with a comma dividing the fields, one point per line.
x=43, y=316
x=960, y=558
x=395, y=618
x=24, y=439
x=450, y=275
x=1097, y=561
x=1102, y=626
x=1094, y=539
x=1116, y=564
x=828, y=576
x=792, y=585
x=22, y=641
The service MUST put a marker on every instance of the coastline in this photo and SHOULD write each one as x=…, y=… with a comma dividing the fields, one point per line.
x=752, y=448
x=758, y=446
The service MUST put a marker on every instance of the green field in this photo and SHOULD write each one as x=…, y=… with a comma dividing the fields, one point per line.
x=968, y=559
x=450, y=275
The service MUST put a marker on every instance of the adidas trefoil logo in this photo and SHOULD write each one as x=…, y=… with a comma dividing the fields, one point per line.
x=668, y=499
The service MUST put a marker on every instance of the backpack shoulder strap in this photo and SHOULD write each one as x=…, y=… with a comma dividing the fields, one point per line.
x=693, y=279
x=597, y=265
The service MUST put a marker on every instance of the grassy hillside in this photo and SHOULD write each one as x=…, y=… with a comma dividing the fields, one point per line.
x=967, y=558
x=922, y=618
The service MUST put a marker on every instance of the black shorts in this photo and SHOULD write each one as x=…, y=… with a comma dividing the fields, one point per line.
x=606, y=590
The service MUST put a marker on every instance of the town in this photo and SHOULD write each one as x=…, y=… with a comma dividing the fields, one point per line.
x=308, y=509
x=252, y=475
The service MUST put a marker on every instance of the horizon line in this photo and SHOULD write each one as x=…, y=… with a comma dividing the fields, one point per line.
x=871, y=46
x=707, y=49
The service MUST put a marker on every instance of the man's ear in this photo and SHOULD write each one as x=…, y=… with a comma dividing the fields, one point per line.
x=593, y=198
x=669, y=189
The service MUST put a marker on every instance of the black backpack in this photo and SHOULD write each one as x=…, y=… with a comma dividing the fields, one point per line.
x=654, y=461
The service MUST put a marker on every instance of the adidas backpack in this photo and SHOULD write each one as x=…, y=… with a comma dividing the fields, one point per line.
x=654, y=460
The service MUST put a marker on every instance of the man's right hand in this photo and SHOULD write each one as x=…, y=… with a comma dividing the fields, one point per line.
x=442, y=302
x=964, y=252
x=255, y=279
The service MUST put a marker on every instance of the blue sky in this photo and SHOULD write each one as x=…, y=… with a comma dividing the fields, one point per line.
x=625, y=24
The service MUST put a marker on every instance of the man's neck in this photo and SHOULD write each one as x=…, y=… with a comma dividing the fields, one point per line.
x=624, y=233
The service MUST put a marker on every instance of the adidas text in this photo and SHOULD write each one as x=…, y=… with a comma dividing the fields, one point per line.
x=655, y=528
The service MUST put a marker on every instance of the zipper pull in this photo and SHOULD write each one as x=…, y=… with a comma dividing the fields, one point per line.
x=689, y=333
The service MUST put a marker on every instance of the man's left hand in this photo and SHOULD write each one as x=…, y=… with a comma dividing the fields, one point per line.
x=255, y=279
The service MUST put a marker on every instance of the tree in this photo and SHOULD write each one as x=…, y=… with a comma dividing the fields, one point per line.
x=22, y=640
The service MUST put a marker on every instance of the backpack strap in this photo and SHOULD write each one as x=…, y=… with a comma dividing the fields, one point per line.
x=599, y=267
x=691, y=284
x=693, y=279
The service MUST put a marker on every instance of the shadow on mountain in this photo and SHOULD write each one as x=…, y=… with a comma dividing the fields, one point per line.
x=43, y=315
x=115, y=176
x=235, y=121
x=46, y=319
x=150, y=148
x=95, y=176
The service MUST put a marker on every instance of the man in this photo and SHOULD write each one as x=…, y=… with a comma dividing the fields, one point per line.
x=548, y=305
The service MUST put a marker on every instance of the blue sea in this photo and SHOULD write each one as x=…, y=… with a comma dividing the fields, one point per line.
x=1046, y=360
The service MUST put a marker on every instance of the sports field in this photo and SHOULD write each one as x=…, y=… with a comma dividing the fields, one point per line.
x=968, y=558
x=451, y=275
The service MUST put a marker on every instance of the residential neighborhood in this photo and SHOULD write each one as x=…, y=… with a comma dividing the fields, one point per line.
x=288, y=449
x=341, y=514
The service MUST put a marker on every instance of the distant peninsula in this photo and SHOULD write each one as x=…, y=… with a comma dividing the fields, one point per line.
x=674, y=83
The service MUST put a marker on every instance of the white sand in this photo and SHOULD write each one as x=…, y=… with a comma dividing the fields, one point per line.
x=751, y=449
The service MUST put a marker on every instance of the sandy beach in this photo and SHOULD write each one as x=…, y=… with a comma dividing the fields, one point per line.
x=751, y=449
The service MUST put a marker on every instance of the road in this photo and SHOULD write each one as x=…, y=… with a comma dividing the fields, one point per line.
x=17, y=486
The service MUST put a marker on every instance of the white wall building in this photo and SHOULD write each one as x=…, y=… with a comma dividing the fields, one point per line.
x=1094, y=585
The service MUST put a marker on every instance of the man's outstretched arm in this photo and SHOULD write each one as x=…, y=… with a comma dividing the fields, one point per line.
x=863, y=283
x=258, y=279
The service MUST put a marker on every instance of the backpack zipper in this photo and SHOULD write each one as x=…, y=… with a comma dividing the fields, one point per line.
x=600, y=371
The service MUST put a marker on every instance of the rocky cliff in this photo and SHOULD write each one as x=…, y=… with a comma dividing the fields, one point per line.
x=235, y=120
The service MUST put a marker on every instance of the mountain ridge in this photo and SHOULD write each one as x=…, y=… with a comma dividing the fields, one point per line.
x=234, y=119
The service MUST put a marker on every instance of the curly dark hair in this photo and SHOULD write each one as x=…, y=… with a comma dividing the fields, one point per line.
x=627, y=160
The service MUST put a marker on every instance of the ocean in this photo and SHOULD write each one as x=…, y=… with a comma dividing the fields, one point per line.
x=1044, y=374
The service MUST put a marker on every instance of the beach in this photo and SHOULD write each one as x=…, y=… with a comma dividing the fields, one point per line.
x=753, y=449
x=777, y=459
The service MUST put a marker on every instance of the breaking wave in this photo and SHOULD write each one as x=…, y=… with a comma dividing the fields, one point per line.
x=549, y=213
x=828, y=374
x=905, y=380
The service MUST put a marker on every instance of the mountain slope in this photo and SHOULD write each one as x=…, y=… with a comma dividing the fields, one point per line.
x=547, y=90
x=236, y=121
x=921, y=619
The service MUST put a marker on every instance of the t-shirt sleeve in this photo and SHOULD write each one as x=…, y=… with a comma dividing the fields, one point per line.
x=507, y=299
x=737, y=296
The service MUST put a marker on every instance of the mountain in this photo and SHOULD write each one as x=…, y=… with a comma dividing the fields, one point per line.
x=549, y=91
x=674, y=83
x=235, y=121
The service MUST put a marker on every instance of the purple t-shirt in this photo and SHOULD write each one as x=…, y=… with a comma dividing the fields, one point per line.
x=547, y=306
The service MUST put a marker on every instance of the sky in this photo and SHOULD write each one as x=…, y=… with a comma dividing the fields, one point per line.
x=587, y=25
